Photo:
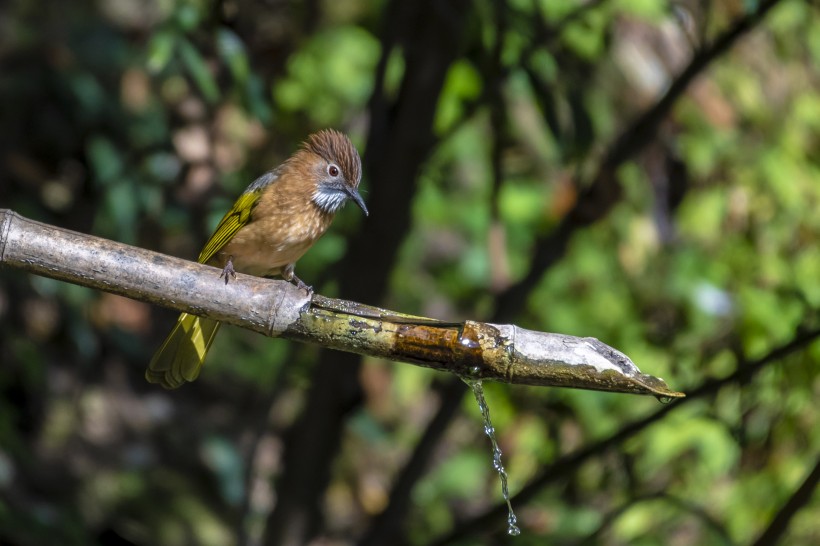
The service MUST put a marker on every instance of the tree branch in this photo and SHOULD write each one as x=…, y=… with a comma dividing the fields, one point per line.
x=498, y=352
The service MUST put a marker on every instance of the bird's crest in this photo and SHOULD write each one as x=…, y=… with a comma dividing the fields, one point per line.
x=335, y=147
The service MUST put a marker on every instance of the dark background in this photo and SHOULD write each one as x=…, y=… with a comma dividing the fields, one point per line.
x=644, y=172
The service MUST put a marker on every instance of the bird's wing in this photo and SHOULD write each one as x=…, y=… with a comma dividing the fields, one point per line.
x=237, y=217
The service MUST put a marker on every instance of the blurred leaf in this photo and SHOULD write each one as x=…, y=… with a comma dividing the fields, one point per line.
x=586, y=38
x=258, y=102
x=226, y=462
x=232, y=50
x=646, y=9
x=90, y=95
x=463, y=83
x=189, y=13
x=199, y=70
x=160, y=50
x=162, y=166
x=105, y=159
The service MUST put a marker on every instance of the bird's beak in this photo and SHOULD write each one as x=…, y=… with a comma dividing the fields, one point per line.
x=353, y=193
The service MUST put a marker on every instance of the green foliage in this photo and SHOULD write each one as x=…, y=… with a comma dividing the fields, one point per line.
x=331, y=73
x=463, y=85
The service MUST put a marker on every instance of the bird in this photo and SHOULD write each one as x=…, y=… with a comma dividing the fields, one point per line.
x=270, y=226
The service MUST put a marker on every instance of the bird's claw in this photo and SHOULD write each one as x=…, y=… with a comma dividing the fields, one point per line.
x=301, y=285
x=291, y=277
x=228, y=270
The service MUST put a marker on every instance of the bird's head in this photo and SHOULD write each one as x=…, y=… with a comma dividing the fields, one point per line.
x=336, y=170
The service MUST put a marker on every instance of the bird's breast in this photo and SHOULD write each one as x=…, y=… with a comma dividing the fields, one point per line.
x=274, y=238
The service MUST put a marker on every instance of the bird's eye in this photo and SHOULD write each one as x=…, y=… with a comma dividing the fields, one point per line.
x=333, y=170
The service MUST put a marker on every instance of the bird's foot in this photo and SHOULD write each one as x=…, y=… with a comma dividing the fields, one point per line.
x=228, y=270
x=291, y=277
x=301, y=284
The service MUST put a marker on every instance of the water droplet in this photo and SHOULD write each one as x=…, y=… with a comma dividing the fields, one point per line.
x=468, y=337
x=512, y=525
x=475, y=370
x=664, y=399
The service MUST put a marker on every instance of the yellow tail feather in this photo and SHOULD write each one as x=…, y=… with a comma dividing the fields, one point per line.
x=182, y=354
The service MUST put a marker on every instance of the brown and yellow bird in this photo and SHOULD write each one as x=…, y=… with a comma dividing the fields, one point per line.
x=272, y=224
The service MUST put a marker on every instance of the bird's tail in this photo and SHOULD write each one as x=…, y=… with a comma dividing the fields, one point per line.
x=181, y=355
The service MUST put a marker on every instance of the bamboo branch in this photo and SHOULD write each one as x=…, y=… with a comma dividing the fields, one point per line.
x=473, y=350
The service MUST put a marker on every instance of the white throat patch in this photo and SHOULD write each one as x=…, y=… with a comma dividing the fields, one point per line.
x=328, y=199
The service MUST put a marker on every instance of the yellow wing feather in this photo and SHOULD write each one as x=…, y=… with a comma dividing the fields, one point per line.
x=233, y=221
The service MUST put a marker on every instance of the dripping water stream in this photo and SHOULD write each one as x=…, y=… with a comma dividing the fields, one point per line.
x=478, y=392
